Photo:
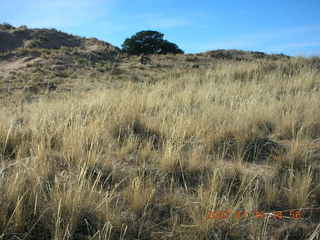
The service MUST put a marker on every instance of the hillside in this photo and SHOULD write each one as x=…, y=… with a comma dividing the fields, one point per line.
x=12, y=38
x=211, y=146
x=31, y=60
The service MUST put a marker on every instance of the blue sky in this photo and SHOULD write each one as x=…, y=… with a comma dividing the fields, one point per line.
x=283, y=26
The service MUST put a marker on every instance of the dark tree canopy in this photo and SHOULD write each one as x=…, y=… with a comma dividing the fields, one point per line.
x=149, y=42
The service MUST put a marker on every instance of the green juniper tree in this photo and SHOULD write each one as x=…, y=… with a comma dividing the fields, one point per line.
x=149, y=42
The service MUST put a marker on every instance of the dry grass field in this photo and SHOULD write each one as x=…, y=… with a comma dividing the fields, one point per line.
x=156, y=160
x=158, y=154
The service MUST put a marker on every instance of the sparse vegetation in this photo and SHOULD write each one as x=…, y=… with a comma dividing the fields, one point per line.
x=151, y=152
x=6, y=26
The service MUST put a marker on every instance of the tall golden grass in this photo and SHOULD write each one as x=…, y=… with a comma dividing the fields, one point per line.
x=151, y=160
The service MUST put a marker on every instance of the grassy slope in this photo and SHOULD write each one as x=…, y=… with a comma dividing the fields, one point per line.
x=32, y=59
x=150, y=159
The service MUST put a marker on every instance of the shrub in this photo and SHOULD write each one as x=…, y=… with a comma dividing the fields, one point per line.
x=6, y=26
x=149, y=42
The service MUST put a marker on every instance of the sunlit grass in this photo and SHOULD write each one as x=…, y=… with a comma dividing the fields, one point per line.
x=150, y=161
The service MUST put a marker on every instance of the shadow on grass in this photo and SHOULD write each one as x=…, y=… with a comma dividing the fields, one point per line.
x=141, y=132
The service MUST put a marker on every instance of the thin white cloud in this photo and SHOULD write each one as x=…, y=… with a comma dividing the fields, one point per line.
x=57, y=13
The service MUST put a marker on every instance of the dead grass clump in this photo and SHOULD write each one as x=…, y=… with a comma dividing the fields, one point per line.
x=101, y=174
x=232, y=180
x=270, y=194
x=225, y=145
x=220, y=231
x=154, y=175
x=296, y=158
x=290, y=129
x=251, y=145
x=293, y=231
x=293, y=190
x=267, y=67
x=23, y=207
x=236, y=182
x=316, y=192
x=313, y=130
x=164, y=214
x=8, y=149
x=315, y=63
x=130, y=228
x=185, y=169
x=14, y=141
x=263, y=127
x=260, y=149
x=78, y=206
x=139, y=194
x=299, y=189
x=139, y=131
x=289, y=69
x=188, y=178
x=247, y=75
x=88, y=224
x=191, y=59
